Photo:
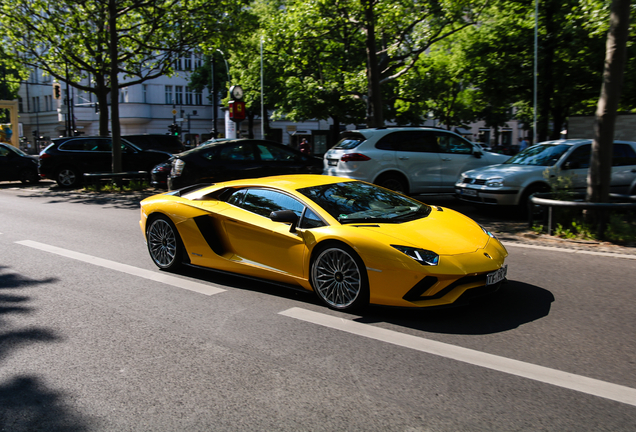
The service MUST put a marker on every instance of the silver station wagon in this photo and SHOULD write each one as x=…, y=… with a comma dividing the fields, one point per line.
x=512, y=182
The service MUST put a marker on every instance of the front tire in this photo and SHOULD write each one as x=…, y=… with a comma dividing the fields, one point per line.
x=164, y=243
x=339, y=278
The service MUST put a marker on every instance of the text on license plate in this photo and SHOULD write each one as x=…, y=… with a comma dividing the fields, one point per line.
x=332, y=162
x=497, y=276
x=469, y=192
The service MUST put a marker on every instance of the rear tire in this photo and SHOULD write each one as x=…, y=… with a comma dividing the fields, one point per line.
x=394, y=182
x=67, y=177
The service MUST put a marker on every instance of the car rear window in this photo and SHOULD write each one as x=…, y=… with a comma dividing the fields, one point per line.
x=349, y=142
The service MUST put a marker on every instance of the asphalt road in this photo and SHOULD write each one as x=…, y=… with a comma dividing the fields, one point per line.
x=94, y=338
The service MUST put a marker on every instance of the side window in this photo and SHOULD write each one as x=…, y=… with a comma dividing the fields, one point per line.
x=273, y=153
x=237, y=198
x=408, y=141
x=623, y=154
x=237, y=152
x=265, y=201
x=449, y=143
x=580, y=157
x=4, y=151
x=73, y=145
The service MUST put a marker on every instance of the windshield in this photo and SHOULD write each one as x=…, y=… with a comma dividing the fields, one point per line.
x=539, y=155
x=355, y=202
x=17, y=150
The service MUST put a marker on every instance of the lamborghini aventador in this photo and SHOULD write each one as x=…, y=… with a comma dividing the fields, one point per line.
x=351, y=242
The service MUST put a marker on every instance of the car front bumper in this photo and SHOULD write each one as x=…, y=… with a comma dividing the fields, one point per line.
x=484, y=195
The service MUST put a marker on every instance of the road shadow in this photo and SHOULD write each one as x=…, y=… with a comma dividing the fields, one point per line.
x=26, y=404
x=53, y=194
x=515, y=304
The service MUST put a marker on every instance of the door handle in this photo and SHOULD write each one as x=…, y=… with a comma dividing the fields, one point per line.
x=446, y=159
x=403, y=158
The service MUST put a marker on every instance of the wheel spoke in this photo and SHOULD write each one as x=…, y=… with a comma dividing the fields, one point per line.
x=162, y=243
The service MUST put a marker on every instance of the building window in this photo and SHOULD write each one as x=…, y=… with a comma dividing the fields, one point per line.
x=20, y=105
x=188, y=94
x=177, y=64
x=46, y=103
x=178, y=95
x=198, y=61
x=123, y=95
x=187, y=63
x=144, y=93
x=36, y=104
x=198, y=98
x=169, y=98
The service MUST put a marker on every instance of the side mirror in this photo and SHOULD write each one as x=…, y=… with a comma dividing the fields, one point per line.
x=286, y=216
x=478, y=154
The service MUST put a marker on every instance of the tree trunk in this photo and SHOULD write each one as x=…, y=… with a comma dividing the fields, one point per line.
x=114, y=86
x=375, y=117
x=600, y=172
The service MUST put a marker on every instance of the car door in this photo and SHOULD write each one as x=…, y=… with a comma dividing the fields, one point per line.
x=575, y=166
x=456, y=156
x=417, y=157
x=7, y=164
x=259, y=241
x=279, y=160
x=623, y=168
x=88, y=154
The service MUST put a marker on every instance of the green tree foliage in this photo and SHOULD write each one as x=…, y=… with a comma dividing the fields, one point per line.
x=90, y=43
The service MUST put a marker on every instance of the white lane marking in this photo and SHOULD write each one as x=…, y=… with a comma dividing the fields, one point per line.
x=555, y=377
x=576, y=251
x=124, y=268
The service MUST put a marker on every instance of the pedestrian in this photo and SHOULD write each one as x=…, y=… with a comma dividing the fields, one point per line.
x=523, y=144
x=304, y=146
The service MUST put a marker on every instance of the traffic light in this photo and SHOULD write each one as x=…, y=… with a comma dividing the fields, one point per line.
x=57, y=90
x=174, y=129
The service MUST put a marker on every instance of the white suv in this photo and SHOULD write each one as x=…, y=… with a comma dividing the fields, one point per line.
x=410, y=160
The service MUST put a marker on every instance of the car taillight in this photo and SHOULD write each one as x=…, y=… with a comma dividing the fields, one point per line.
x=44, y=155
x=354, y=157
x=177, y=168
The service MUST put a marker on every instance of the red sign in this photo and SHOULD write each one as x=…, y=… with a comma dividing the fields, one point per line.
x=237, y=110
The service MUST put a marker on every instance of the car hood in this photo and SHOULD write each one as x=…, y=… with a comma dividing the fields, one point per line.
x=444, y=231
x=505, y=170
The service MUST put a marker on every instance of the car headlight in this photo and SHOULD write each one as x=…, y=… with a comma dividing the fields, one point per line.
x=177, y=167
x=495, y=182
x=422, y=256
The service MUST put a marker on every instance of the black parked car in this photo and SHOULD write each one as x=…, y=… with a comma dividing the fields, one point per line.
x=17, y=165
x=167, y=143
x=238, y=159
x=67, y=159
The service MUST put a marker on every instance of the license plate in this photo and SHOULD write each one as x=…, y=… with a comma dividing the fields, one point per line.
x=497, y=276
x=468, y=192
x=332, y=162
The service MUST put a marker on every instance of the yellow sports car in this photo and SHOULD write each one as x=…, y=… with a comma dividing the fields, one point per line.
x=351, y=242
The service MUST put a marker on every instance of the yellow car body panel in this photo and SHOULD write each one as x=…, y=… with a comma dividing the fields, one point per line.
x=252, y=245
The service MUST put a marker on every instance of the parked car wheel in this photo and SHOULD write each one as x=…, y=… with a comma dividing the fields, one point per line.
x=393, y=182
x=67, y=177
x=339, y=279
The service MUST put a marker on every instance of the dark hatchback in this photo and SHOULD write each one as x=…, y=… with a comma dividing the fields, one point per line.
x=67, y=159
x=17, y=165
x=238, y=159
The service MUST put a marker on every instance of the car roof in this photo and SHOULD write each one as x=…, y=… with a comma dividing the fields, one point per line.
x=386, y=129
